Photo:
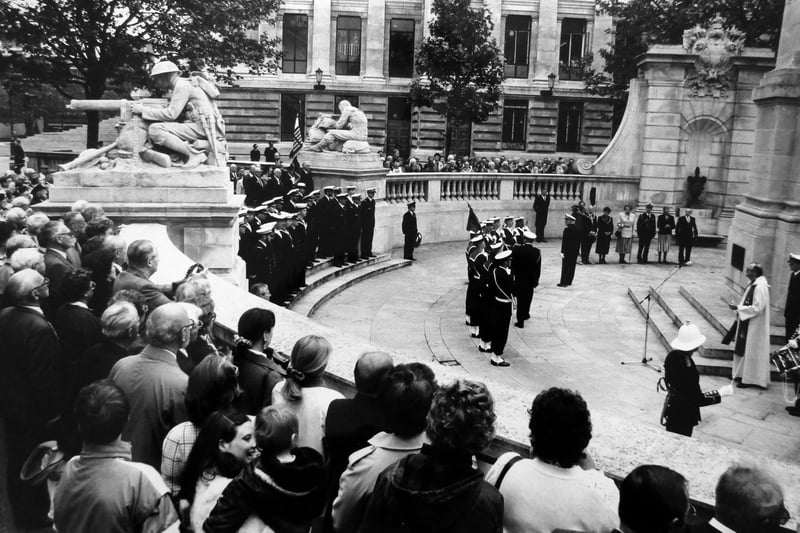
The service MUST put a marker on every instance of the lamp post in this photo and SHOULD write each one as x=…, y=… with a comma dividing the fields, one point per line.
x=551, y=82
x=319, y=86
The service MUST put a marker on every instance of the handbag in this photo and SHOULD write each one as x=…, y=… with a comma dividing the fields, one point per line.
x=618, y=234
x=785, y=360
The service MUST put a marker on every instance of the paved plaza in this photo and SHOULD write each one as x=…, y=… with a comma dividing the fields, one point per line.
x=576, y=338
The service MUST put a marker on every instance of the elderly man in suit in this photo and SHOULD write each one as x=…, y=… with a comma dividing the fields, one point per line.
x=155, y=384
x=142, y=263
x=410, y=231
x=29, y=385
x=57, y=239
x=685, y=234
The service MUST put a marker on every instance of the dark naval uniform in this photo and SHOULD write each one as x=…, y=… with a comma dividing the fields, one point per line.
x=570, y=248
x=502, y=289
x=367, y=213
x=526, y=267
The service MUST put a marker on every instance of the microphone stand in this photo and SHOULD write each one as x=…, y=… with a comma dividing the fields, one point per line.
x=645, y=361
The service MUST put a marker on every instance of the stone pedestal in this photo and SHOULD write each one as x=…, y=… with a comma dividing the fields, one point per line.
x=766, y=225
x=338, y=169
x=197, y=206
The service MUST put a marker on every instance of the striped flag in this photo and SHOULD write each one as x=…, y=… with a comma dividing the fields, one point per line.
x=297, y=139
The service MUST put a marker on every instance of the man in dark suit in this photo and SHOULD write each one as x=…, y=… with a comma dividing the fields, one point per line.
x=273, y=186
x=791, y=312
x=646, y=230
x=29, y=385
x=255, y=153
x=570, y=249
x=143, y=263
x=665, y=225
x=254, y=190
x=350, y=423
x=748, y=500
x=336, y=221
x=306, y=176
x=367, y=209
x=685, y=234
x=57, y=238
x=154, y=383
x=323, y=214
x=410, y=231
x=526, y=267
x=541, y=205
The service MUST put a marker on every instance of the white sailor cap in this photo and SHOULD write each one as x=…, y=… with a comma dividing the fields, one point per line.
x=356, y=196
x=496, y=246
x=350, y=188
x=529, y=235
x=300, y=206
x=328, y=188
x=372, y=189
x=341, y=195
x=315, y=191
x=569, y=217
x=266, y=228
x=505, y=254
x=794, y=257
x=477, y=238
x=509, y=217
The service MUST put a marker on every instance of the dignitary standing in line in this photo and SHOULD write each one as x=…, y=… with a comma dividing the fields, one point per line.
x=541, y=205
x=646, y=230
x=570, y=249
x=367, y=214
x=665, y=225
x=605, y=229
x=526, y=267
x=410, y=231
x=751, y=351
x=625, y=233
x=791, y=312
x=685, y=234
x=502, y=288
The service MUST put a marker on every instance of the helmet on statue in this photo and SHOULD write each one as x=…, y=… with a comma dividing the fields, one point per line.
x=164, y=67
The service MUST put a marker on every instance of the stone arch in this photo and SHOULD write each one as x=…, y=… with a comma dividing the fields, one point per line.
x=706, y=146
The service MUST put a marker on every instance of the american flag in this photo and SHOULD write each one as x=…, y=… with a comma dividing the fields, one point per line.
x=297, y=139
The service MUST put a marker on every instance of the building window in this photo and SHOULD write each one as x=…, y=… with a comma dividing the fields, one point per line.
x=515, y=118
x=573, y=33
x=518, y=36
x=295, y=43
x=352, y=98
x=292, y=105
x=348, y=46
x=568, y=134
x=401, y=48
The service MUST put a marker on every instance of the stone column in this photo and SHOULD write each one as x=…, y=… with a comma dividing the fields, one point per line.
x=321, y=38
x=427, y=17
x=495, y=11
x=547, y=40
x=766, y=225
x=376, y=33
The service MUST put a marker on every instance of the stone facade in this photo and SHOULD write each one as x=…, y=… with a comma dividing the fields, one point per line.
x=253, y=110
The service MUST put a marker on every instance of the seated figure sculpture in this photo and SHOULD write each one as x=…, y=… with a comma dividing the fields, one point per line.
x=190, y=124
x=348, y=134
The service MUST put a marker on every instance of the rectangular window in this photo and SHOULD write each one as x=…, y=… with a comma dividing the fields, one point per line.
x=348, y=46
x=518, y=36
x=515, y=118
x=352, y=98
x=292, y=104
x=295, y=43
x=573, y=33
x=568, y=133
x=401, y=48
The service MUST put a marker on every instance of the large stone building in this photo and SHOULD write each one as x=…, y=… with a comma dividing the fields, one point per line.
x=365, y=51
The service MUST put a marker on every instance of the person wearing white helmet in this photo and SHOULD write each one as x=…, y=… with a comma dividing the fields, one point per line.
x=190, y=123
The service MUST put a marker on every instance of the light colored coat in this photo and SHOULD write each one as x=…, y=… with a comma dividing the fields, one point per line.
x=753, y=368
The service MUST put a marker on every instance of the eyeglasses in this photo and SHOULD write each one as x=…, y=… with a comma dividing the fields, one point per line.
x=45, y=283
x=69, y=233
x=189, y=325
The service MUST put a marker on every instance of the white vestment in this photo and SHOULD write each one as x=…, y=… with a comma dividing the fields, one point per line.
x=753, y=368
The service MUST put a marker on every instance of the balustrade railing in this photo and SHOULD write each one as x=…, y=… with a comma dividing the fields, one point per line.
x=406, y=190
x=564, y=188
x=471, y=188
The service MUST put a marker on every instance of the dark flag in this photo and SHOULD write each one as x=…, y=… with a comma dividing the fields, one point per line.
x=473, y=224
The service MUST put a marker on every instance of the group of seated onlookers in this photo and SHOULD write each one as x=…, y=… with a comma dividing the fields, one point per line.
x=160, y=426
x=395, y=163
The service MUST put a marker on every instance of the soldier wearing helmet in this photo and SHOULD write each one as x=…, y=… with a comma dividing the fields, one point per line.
x=190, y=124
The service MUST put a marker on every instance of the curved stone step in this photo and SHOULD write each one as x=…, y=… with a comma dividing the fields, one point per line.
x=324, y=271
x=310, y=301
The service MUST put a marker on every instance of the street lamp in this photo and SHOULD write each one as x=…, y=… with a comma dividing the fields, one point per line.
x=551, y=82
x=319, y=86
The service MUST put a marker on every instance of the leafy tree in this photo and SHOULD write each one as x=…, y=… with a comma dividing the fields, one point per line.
x=459, y=66
x=105, y=46
x=642, y=23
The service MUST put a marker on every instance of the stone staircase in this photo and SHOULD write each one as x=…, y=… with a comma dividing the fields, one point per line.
x=677, y=305
x=71, y=140
x=324, y=281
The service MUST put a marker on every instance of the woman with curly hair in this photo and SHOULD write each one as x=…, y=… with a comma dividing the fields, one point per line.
x=225, y=445
x=439, y=489
x=304, y=390
x=559, y=488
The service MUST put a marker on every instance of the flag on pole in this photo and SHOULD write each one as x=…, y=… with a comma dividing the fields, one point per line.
x=297, y=140
x=473, y=224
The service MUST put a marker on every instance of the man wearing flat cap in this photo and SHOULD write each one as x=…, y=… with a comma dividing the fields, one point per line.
x=410, y=231
x=791, y=312
x=570, y=249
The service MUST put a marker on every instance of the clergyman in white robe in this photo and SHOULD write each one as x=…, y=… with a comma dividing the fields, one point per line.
x=753, y=367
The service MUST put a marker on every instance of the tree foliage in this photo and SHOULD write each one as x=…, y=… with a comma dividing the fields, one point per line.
x=642, y=23
x=109, y=45
x=459, y=65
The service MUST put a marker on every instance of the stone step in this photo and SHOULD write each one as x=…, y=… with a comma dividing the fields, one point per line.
x=325, y=271
x=310, y=301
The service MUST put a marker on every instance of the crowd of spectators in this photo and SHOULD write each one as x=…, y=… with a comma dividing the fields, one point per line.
x=395, y=163
x=24, y=186
x=159, y=426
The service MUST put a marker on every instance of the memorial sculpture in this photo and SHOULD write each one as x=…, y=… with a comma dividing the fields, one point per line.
x=347, y=135
x=715, y=47
x=183, y=131
x=695, y=185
